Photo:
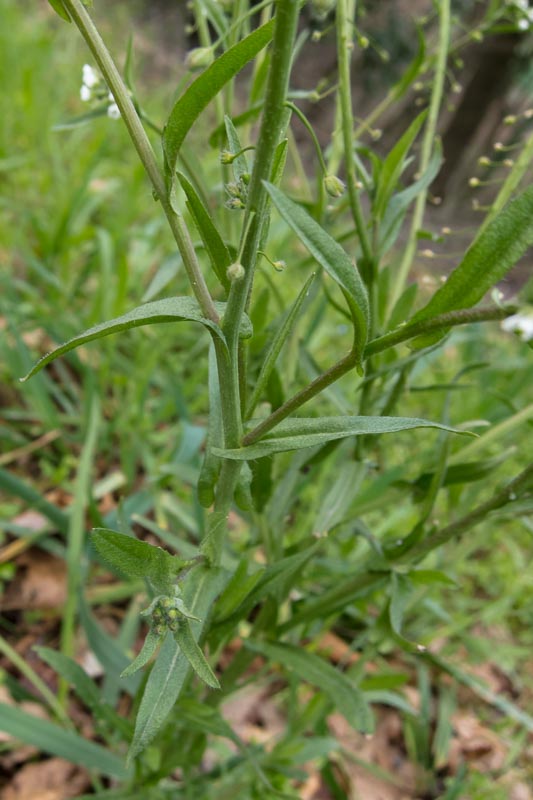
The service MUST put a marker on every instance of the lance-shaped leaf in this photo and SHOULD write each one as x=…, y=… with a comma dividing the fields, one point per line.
x=394, y=165
x=150, y=645
x=138, y=559
x=219, y=255
x=171, y=667
x=194, y=655
x=502, y=243
x=57, y=741
x=60, y=9
x=171, y=309
x=342, y=691
x=329, y=255
x=293, y=434
x=201, y=91
x=280, y=337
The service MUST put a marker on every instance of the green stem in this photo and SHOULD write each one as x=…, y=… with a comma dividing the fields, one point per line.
x=450, y=319
x=273, y=119
x=463, y=316
x=315, y=387
x=513, y=491
x=344, y=50
x=140, y=140
x=428, y=144
x=272, y=127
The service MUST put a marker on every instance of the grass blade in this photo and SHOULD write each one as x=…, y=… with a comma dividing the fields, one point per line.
x=66, y=744
x=309, y=667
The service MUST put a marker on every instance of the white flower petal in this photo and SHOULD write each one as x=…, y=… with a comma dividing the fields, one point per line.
x=113, y=111
x=85, y=93
x=90, y=76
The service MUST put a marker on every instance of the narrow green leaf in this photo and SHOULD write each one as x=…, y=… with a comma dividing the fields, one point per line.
x=86, y=689
x=199, y=94
x=218, y=253
x=57, y=741
x=329, y=255
x=12, y=485
x=281, y=336
x=239, y=163
x=394, y=165
x=201, y=717
x=150, y=645
x=268, y=583
x=194, y=654
x=137, y=559
x=345, y=695
x=60, y=9
x=170, y=670
x=401, y=593
x=396, y=209
x=172, y=309
x=400, y=88
x=337, y=599
x=106, y=648
x=295, y=433
x=503, y=242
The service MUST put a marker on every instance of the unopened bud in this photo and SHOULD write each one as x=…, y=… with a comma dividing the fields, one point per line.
x=199, y=58
x=476, y=36
x=508, y=162
x=474, y=182
x=334, y=186
x=235, y=272
x=483, y=161
x=226, y=157
x=510, y=119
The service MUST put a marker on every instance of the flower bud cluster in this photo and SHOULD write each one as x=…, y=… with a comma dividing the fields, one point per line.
x=237, y=192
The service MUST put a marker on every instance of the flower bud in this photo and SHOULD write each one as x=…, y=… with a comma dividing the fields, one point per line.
x=199, y=58
x=334, y=186
x=235, y=272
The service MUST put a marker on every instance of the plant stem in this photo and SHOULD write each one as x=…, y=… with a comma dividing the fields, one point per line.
x=463, y=316
x=315, y=387
x=426, y=150
x=513, y=491
x=450, y=319
x=272, y=127
x=344, y=50
x=140, y=140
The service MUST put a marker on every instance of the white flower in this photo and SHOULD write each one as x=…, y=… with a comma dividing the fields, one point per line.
x=520, y=324
x=113, y=111
x=85, y=93
x=523, y=24
x=90, y=76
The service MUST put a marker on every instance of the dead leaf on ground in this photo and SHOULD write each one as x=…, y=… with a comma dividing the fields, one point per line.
x=475, y=743
x=383, y=749
x=39, y=583
x=53, y=779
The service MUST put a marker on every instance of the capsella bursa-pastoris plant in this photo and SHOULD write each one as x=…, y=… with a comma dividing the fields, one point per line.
x=355, y=265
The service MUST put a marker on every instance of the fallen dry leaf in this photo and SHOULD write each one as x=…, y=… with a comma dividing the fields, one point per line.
x=53, y=779
x=39, y=583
